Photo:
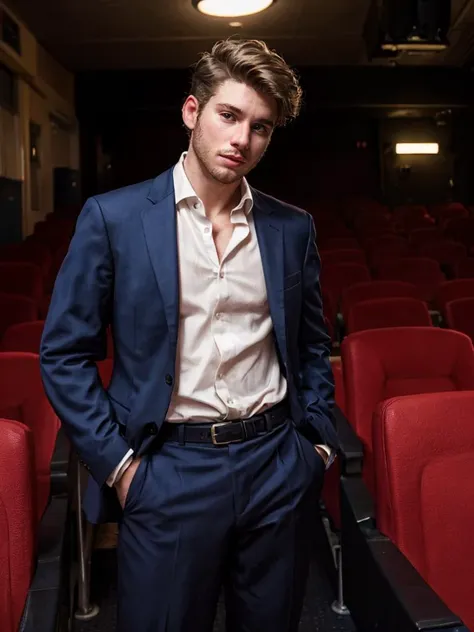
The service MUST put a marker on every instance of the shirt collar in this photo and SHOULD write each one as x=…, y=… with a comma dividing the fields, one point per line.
x=184, y=191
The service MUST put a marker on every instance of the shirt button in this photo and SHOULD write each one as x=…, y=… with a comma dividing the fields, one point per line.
x=197, y=205
x=218, y=315
x=206, y=230
x=230, y=402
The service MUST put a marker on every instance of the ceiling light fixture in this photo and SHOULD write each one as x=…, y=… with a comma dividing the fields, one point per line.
x=231, y=8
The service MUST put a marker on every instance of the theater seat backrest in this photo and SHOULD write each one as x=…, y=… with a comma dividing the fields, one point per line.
x=16, y=309
x=384, y=363
x=22, y=398
x=21, y=278
x=388, y=312
x=424, y=461
x=17, y=493
x=23, y=337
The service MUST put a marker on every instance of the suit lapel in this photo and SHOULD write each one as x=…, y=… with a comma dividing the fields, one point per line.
x=270, y=240
x=159, y=225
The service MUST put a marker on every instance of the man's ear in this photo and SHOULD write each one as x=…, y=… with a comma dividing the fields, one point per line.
x=190, y=112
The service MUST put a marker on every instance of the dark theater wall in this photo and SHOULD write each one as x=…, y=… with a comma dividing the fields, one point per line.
x=337, y=147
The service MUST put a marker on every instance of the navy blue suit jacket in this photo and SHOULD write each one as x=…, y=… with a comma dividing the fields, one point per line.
x=122, y=269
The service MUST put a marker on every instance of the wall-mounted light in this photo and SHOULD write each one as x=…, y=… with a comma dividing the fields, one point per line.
x=231, y=8
x=417, y=148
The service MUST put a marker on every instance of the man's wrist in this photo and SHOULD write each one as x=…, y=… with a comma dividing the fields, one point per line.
x=325, y=453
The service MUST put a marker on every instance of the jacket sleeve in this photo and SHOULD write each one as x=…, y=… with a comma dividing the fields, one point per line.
x=315, y=377
x=74, y=339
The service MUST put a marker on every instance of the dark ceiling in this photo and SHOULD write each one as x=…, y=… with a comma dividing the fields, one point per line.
x=121, y=34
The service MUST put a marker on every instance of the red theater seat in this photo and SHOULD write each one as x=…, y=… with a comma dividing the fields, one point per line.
x=424, y=273
x=452, y=290
x=446, y=253
x=16, y=309
x=22, y=399
x=375, y=289
x=342, y=256
x=23, y=337
x=21, y=278
x=388, y=312
x=385, y=363
x=335, y=277
x=17, y=497
x=424, y=460
x=460, y=316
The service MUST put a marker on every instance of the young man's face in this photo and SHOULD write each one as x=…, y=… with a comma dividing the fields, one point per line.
x=233, y=130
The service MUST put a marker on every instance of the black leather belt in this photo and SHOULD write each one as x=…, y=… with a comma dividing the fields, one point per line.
x=225, y=432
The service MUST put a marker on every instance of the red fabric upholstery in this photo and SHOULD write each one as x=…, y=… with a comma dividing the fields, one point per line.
x=384, y=363
x=448, y=253
x=424, y=273
x=388, y=312
x=16, y=309
x=336, y=243
x=460, y=229
x=451, y=290
x=18, y=499
x=335, y=277
x=35, y=253
x=22, y=398
x=460, y=316
x=422, y=236
x=345, y=255
x=6, y=613
x=105, y=368
x=21, y=278
x=424, y=459
x=23, y=337
x=375, y=289
x=465, y=268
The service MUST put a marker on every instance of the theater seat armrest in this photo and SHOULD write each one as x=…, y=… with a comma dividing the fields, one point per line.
x=420, y=603
x=61, y=454
x=44, y=604
x=382, y=590
x=358, y=501
x=351, y=449
x=60, y=465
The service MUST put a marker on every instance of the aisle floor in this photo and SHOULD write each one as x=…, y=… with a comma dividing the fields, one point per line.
x=317, y=615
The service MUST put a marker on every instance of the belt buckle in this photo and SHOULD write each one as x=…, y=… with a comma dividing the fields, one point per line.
x=214, y=437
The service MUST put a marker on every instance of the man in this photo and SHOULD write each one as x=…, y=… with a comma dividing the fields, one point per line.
x=216, y=428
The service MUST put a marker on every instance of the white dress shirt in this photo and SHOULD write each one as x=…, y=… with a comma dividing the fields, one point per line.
x=226, y=365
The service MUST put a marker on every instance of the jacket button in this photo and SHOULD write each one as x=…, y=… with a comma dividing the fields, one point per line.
x=169, y=379
x=151, y=428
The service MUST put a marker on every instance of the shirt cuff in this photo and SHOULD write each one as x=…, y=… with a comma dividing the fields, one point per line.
x=120, y=469
x=329, y=452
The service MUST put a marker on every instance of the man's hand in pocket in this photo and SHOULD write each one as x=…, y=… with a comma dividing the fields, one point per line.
x=123, y=484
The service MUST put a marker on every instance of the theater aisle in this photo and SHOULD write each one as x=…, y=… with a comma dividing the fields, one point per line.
x=317, y=615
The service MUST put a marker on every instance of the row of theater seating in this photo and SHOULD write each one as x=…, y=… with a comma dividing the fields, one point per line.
x=377, y=304
x=385, y=367
x=36, y=498
x=365, y=242
x=33, y=501
x=391, y=365
x=35, y=495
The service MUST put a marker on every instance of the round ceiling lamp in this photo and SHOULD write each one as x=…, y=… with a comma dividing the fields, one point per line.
x=231, y=8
